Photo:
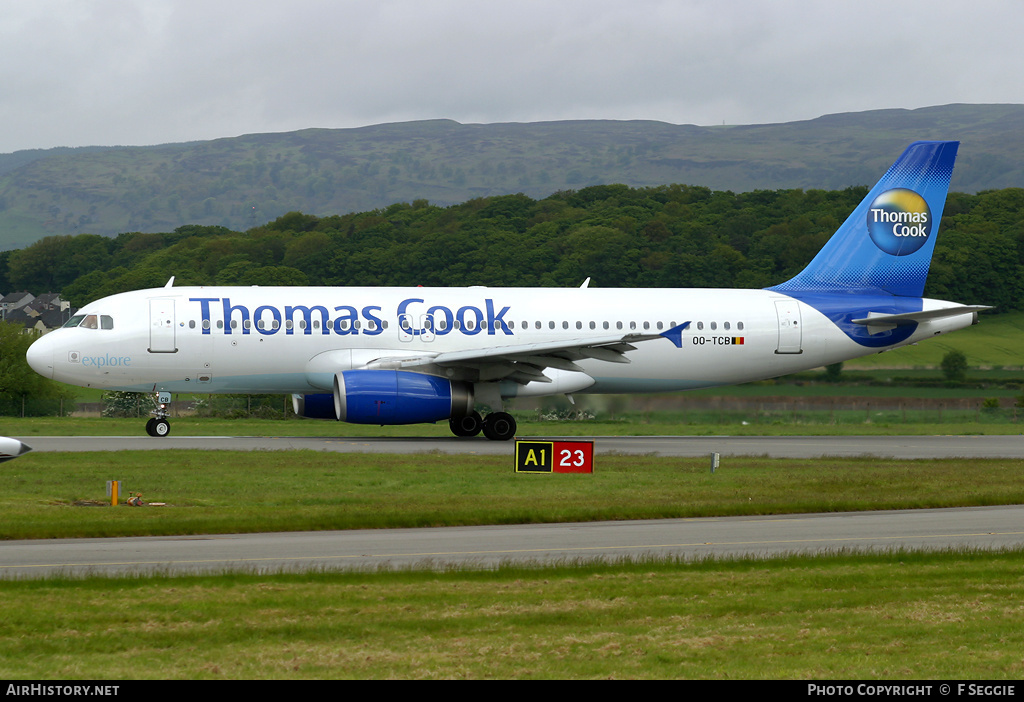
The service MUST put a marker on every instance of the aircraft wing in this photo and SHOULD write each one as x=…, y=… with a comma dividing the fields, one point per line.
x=525, y=363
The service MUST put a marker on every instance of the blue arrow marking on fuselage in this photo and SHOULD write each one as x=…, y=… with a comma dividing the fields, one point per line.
x=675, y=334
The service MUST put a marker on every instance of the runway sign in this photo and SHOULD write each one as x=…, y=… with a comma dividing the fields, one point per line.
x=554, y=456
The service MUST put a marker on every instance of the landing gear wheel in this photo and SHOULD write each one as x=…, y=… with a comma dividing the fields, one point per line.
x=158, y=427
x=499, y=426
x=466, y=425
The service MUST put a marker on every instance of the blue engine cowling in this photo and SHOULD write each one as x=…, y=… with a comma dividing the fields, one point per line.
x=388, y=397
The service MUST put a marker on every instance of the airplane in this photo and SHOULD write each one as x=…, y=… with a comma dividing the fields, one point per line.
x=393, y=355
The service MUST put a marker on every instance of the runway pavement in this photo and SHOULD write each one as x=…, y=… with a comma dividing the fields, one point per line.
x=485, y=547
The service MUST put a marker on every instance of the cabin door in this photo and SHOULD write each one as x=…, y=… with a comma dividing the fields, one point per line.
x=161, y=326
x=790, y=329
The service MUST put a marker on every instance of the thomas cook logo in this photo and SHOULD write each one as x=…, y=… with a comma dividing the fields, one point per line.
x=899, y=221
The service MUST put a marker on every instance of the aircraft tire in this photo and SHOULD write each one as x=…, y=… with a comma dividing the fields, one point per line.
x=161, y=427
x=467, y=425
x=499, y=426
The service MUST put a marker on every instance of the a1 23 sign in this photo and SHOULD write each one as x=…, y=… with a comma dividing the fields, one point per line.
x=554, y=456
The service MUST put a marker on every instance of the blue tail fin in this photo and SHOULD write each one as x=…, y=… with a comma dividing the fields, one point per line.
x=886, y=245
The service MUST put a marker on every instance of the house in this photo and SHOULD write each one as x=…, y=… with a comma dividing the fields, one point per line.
x=40, y=314
x=13, y=301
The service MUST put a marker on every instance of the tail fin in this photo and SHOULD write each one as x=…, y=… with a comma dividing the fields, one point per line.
x=886, y=244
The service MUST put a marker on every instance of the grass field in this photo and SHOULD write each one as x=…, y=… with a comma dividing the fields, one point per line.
x=899, y=615
x=52, y=495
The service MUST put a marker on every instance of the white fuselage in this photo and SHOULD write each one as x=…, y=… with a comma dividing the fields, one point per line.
x=293, y=340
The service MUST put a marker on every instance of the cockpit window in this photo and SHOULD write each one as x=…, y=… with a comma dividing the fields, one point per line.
x=91, y=321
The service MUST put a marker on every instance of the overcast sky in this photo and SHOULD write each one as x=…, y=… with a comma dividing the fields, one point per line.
x=108, y=72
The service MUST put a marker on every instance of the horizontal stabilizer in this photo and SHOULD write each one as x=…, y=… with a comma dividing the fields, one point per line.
x=878, y=323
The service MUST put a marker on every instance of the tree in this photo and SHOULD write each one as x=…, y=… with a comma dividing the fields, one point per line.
x=834, y=372
x=22, y=390
x=954, y=366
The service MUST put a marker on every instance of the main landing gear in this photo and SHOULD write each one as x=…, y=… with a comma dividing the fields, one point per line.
x=497, y=426
x=158, y=424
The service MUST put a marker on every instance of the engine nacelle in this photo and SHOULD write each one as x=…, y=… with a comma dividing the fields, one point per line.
x=396, y=397
x=319, y=406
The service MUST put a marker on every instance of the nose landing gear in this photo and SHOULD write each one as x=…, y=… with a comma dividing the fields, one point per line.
x=158, y=424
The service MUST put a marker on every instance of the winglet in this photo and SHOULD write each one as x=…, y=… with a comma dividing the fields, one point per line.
x=675, y=334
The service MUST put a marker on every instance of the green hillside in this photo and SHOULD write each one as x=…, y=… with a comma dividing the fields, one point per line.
x=242, y=182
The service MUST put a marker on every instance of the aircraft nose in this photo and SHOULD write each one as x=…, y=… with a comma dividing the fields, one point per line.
x=40, y=356
x=12, y=448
